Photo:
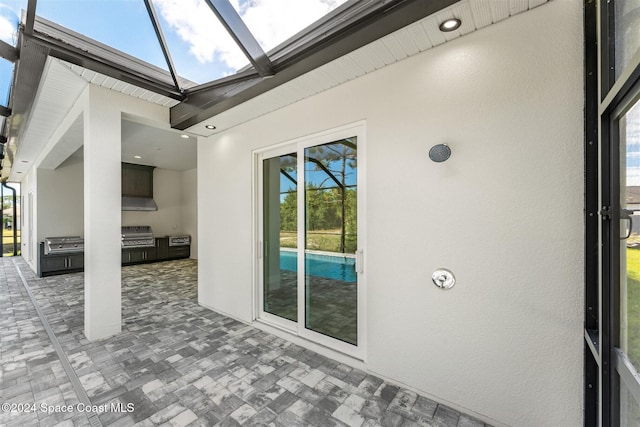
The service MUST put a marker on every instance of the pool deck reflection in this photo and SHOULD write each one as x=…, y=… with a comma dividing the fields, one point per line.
x=332, y=305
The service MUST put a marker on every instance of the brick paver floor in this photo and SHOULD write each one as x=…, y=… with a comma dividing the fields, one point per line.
x=180, y=364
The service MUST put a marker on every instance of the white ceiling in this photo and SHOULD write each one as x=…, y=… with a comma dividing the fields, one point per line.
x=62, y=83
x=157, y=147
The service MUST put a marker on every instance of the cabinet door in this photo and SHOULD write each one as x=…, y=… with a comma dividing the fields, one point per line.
x=137, y=180
x=162, y=248
x=75, y=261
x=136, y=255
x=53, y=263
x=149, y=254
x=179, y=252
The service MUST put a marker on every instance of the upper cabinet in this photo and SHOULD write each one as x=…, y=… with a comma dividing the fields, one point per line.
x=137, y=180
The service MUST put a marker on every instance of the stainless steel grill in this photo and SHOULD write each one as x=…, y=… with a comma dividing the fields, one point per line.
x=63, y=245
x=138, y=236
x=180, y=240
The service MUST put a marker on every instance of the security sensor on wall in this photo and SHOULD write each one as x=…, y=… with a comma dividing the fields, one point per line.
x=439, y=153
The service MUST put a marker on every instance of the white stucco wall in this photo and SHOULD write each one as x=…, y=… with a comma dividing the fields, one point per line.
x=60, y=196
x=504, y=214
x=189, y=208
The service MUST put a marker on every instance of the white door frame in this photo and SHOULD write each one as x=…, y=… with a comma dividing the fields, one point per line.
x=298, y=328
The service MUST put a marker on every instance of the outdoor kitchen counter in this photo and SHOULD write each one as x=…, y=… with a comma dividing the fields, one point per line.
x=63, y=263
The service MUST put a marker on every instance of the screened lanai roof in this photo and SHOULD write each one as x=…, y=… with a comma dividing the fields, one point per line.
x=209, y=56
x=199, y=52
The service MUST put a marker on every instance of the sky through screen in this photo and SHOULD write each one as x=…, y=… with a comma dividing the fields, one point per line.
x=200, y=47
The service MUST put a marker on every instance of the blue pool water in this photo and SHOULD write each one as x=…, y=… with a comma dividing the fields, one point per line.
x=331, y=267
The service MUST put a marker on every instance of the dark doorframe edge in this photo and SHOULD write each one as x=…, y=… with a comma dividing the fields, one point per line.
x=591, y=370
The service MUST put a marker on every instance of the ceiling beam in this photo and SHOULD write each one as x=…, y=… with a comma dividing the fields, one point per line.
x=8, y=52
x=31, y=17
x=340, y=39
x=64, y=50
x=163, y=43
x=238, y=30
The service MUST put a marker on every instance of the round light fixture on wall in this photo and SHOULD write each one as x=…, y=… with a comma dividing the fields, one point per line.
x=450, y=25
x=439, y=153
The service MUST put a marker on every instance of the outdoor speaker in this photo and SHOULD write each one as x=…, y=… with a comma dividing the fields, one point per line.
x=439, y=153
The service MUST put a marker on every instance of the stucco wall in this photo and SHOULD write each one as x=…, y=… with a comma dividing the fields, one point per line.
x=504, y=214
x=60, y=198
x=189, y=208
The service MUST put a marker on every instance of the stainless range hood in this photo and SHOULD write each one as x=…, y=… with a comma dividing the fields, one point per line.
x=138, y=204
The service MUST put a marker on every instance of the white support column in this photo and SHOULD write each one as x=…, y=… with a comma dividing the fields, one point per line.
x=102, y=215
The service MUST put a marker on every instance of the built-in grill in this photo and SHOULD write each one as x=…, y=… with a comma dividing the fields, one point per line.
x=138, y=236
x=180, y=240
x=63, y=245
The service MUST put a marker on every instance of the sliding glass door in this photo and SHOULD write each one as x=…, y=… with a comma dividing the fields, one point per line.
x=628, y=350
x=331, y=239
x=280, y=236
x=311, y=269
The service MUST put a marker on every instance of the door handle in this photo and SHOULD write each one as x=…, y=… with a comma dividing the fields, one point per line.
x=359, y=264
x=627, y=214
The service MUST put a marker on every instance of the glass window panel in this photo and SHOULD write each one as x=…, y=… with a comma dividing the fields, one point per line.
x=10, y=13
x=630, y=226
x=274, y=21
x=121, y=24
x=331, y=291
x=201, y=48
x=6, y=77
x=9, y=228
x=629, y=409
x=280, y=236
x=627, y=28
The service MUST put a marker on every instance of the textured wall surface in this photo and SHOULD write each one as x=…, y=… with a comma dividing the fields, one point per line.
x=504, y=214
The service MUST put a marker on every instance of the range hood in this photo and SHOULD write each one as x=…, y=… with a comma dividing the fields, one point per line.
x=138, y=204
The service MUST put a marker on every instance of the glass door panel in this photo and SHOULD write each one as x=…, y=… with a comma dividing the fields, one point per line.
x=629, y=410
x=629, y=337
x=280, y=236
x=629, y=127
x=330, y=203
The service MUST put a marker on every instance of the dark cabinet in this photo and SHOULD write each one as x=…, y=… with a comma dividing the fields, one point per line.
x=177, y=252
x=53, y=264
x=162, y=248
x=137, y=180
x=75, y=261
x=138, y=255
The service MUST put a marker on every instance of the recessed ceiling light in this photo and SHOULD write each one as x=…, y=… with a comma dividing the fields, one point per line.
x=450, y=25
x=184, y=136
x=25, y=161
x=210, y=127
x=18, y=172
x=137, y=157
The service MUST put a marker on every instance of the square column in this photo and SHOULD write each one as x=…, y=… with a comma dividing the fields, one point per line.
x=102, y=215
